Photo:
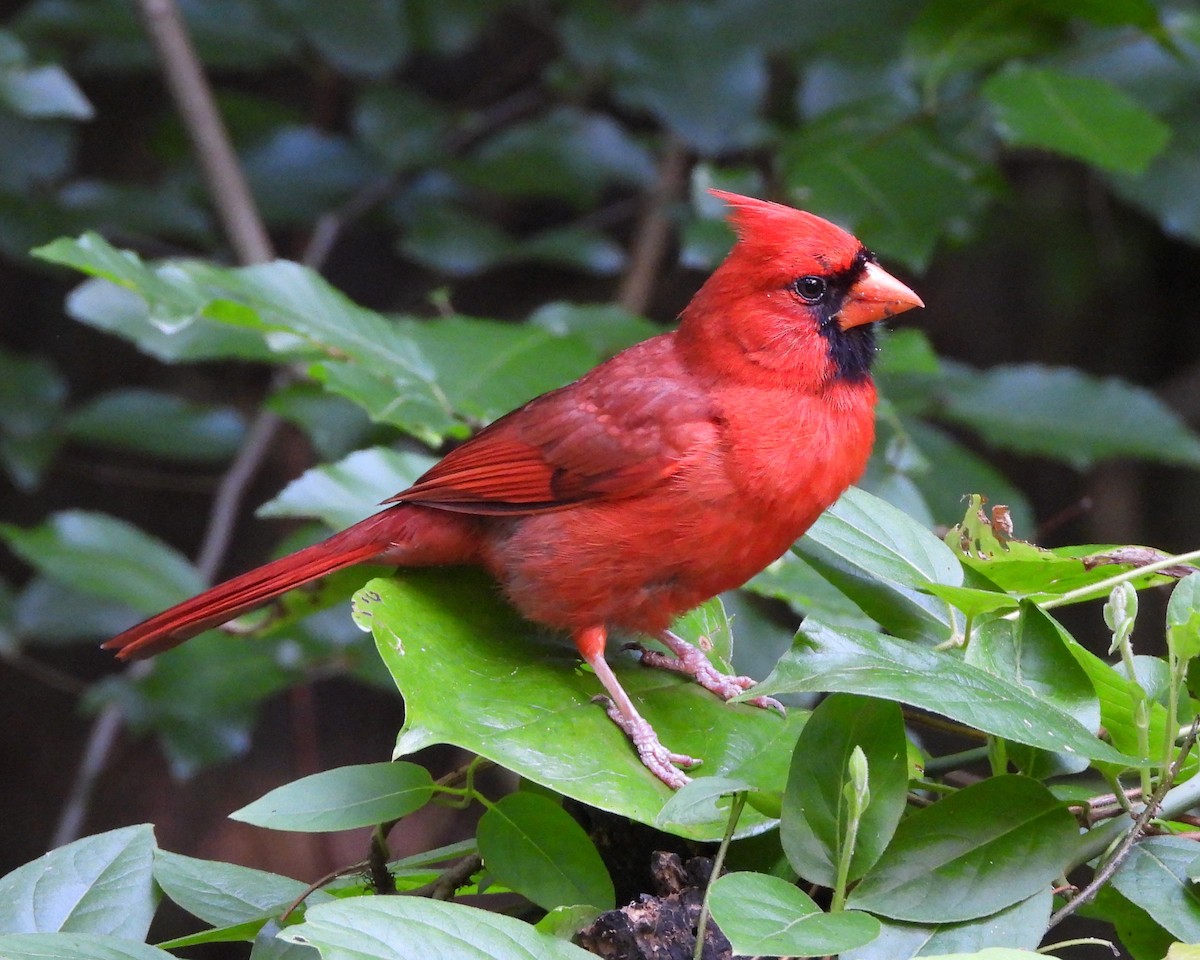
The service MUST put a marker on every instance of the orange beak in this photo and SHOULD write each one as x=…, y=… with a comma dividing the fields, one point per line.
x=876, y=296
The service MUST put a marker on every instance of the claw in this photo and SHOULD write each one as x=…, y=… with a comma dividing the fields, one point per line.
x=692, y=663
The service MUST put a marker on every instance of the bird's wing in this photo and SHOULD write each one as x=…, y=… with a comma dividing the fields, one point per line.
x=603, y=438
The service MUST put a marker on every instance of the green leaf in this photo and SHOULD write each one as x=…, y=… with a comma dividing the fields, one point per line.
x=1032, y=651
x=1140, y=935
x=882, y=559
x=708, y=798
x=32, y=393
x=685, y=66
x=1069, y=415
x=797, y=584
x=225, y=894
x=902, y=191
x=566, y=153
x=1169, y=188
x=342, y=798
x=350, y=490
x=403, y=928
x=43, y=92
x=362, y=38
x=1155, y=877
x=815, y=809
x=518, y=692
x=855, y=661
x=1183, y=618
x=333, y=424
x=159, y=425
x=1018, y=927
x=106, y=557
x=401, y=127
x=534, y=847
x=76, y=946
x=764, y=915
x=605, y=327
x=986, y=847
x=1082, y=117
x=97, y=885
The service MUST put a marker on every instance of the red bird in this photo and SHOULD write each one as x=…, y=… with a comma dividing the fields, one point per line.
x=672, y=472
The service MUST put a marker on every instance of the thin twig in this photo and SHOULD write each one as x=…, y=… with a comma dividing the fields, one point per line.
x=1123, y=849
x=654, y=231
x=444, y=887
x=193, y=98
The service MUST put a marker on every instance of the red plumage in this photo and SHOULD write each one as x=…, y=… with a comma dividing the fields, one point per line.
x=673, y=471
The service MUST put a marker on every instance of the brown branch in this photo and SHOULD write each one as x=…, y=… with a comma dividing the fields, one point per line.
x=654, y=231
x=194, y=100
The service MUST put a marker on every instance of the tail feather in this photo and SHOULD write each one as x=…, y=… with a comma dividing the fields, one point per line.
x=245, y=592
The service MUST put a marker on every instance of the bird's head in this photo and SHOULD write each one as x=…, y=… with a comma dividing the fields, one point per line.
x=795, y=299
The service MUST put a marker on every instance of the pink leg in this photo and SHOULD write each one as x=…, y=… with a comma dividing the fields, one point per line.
x=692, y=663
x=657, y=758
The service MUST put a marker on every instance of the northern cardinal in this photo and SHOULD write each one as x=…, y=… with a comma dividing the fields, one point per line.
x=674, y=471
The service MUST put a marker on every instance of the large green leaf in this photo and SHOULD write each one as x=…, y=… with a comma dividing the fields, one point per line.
x=1019, y=927
x=765, y=915
x=1066, y=414
x=534, y=847
x=474, y=674
x=815, y=807
x=345, y=492
x=363, y=38
x=225, y=894
x=107, y=557
x=76, y=946
x=1155, y=877
x=984, y=848
x=98, y=885
x=855, y=661
x=412, y=928
x=159, y=425
x=1081, y=117
x=342, y=798
x=883, y=560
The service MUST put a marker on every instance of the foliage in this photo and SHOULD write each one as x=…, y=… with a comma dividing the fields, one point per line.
x=901, y=120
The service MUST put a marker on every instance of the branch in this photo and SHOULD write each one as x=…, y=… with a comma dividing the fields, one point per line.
x=1165, y=800
x=194, y=100
x=654, y=231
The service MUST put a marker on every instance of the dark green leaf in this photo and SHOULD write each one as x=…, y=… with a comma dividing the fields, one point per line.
x=334, y=425
x=1066, y=414
x=534, y=847
x=855, y=661
x=518, y=692
x=345, y=492
x=342, y=798
x=1155, y=877
x=1082, y=117
x=677, y=63
x=158, y=424
x=901, y=192
x=1140, y=935
x=792, y=580
x=42, y=92
x=359, y=37
x=97, y=885
x=50, y=612
x=1031, y=651
x=108, y=557
x=76, y=946
x=1019, y=927
x=32, y=393
x=605, y=327
x=401, y=127
x=761, y=914
x=882, y=559
x=36, y=152
x=1169, y=188
x=984, y=848
x=567, y=153
x=224, y=894
x=413, y=928
x=815, y=808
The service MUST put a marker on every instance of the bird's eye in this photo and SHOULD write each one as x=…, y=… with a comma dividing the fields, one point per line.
x=811, y=289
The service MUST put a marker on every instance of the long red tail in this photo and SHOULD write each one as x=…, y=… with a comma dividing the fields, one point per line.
x=227, y=600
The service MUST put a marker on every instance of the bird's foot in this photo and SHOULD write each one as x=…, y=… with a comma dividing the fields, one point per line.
x=691, y=662
x=660, y=761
